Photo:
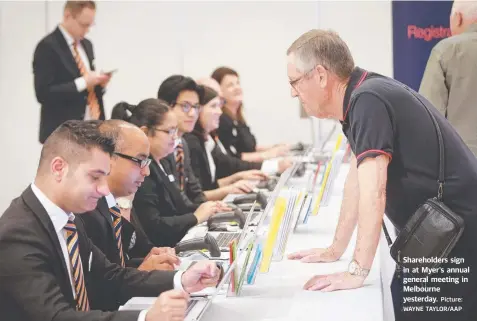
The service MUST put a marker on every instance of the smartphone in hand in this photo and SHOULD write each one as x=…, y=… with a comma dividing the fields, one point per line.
x=109, y=72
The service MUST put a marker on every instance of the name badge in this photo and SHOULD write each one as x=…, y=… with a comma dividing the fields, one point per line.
x=171, y=178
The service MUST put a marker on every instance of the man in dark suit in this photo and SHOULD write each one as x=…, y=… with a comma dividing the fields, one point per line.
x=50, y=264
x=113, y=226
x=66, y=83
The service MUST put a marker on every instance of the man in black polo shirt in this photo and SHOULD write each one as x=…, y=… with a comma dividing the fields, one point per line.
x=394, y=168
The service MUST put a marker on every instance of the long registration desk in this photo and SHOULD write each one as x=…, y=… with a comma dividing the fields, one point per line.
x=279, y=294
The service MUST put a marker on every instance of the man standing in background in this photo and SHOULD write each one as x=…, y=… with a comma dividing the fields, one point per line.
x=66, y=85
x=450, y=78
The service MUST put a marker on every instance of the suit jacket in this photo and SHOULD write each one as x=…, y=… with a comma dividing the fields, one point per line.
x=192, y=186
x=225, y=164
x=169, y=165
x=55, y=70
x=236, y=136
x=35, y=285
x=450, y=80
x=161, y=209
x=99, y=228
x=200, y=162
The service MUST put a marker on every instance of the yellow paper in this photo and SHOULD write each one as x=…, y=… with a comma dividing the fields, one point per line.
x=277, y=217
x=316, y=208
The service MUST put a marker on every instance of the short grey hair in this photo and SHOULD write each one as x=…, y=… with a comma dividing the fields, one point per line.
x=322, y=47
x=467, y=8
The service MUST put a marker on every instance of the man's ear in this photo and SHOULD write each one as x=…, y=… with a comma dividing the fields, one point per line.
x=322, y=75
x=59, y=168
x=458, y=18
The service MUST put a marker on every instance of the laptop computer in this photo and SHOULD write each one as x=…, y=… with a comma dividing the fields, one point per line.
x=198, y=304
x=224, y=238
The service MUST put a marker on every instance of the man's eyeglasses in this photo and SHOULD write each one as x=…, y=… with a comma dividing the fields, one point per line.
x=186, y=107
x=296, y=81
x=172, y=132
x=141, y=162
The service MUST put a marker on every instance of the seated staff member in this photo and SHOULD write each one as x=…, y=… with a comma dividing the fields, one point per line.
x=51, y=264
x=184, y=97
x=230, y=164
x=113, y=226
x=108, y=226
x=178, y=161
x=233, y=130
x=158, y=202
x=201, y=143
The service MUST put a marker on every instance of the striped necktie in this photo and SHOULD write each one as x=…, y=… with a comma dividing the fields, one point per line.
x=117, y=227
x=92, y=99
x=180, y=165
x=72, y=243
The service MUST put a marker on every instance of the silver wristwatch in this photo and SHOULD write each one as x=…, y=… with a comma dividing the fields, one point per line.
x=124, y=203
x=355, y=269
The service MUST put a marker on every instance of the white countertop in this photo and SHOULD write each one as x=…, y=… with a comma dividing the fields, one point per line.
x=278, y=294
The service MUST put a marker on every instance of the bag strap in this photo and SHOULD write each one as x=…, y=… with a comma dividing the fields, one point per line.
x=440, y=179
x=386, y=234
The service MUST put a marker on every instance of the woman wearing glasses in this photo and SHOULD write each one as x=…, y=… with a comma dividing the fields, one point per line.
x=233, y=130
x=184, y=97
x=159, y=204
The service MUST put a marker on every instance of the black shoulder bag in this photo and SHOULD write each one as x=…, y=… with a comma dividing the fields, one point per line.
x=434, y=229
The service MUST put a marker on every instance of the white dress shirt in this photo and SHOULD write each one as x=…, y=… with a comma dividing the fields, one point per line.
x=209, y=147
x=80, y=82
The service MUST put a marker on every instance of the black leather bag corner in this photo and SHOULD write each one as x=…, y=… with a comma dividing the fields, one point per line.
x=433, y=230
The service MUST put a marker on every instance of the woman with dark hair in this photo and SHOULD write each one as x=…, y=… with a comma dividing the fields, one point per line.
x=159, y=204
x=233, y=130
x=209, y=162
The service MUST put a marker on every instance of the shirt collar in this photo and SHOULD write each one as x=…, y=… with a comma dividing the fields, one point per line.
x=356, y=78
x=110, y=200
x=58, y=217
x=69, y=39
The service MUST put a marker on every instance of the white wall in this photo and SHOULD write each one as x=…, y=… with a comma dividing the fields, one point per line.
x=148, y=41
x=21, y=25
x=366, y=26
